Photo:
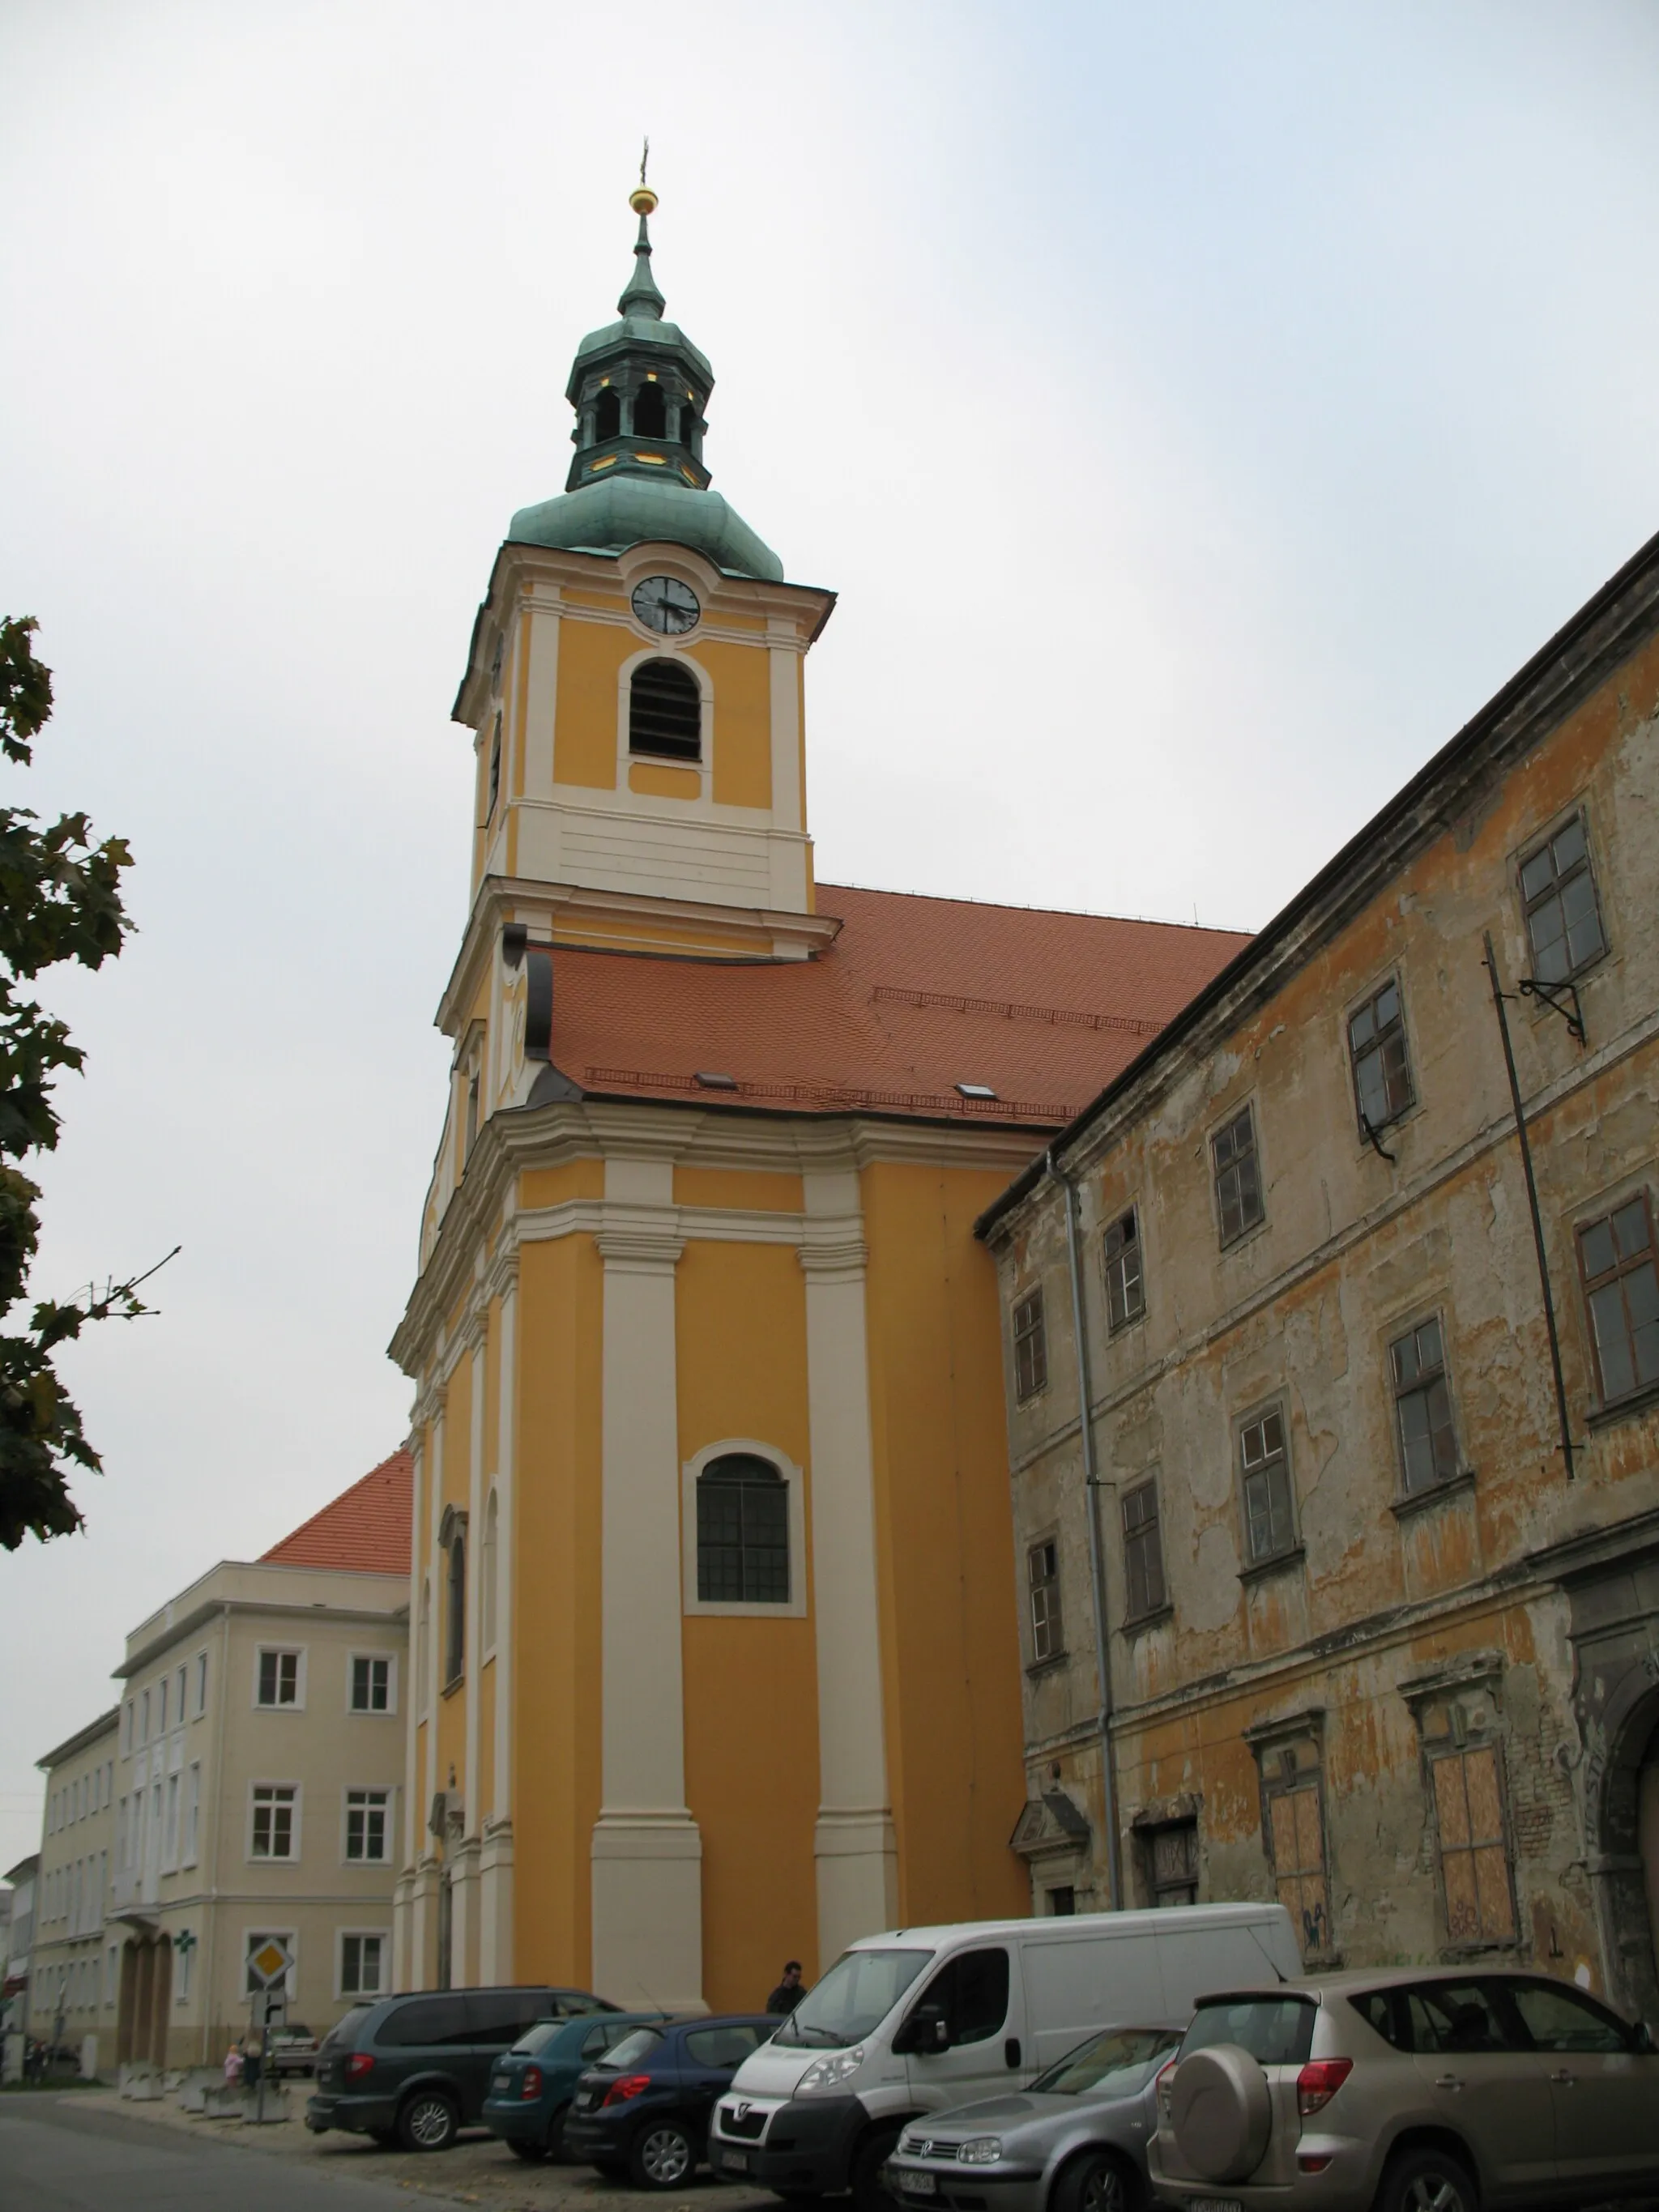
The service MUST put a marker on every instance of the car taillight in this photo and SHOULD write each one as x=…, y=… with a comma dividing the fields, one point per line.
x=1165, y=2075
x=531, y=2084
x=630, y=2085
x=1318, y=2083
x=357, y=2065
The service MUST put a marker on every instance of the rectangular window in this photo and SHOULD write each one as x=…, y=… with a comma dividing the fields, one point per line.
x=1264, y=1466
x=362, y=1965
x=182, y=1678
x=1125, y=1297
x=1616, y=1260
x=371, y=1685
x=1422, y=1405
x=201, y=1684
x=144, y=1718
x=126, y=1729
x=1564, y=919
x=1042, y=1575
x=366, y=1825
x=1030, y=1346
x=1143, y=1552
x=1172, y=1862
x=1475, y=1865
x=1237, y=1176
x=273, y=1820
x=279, y=1678
x=170, y=1828
x=1381, y=1067
x=1062, y=1901
x=111, y=1973
x=1297, y=1840
x=192, y=1813
x=161, y=1693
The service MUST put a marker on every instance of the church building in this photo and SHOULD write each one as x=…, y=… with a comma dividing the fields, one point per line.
x=714, y=1603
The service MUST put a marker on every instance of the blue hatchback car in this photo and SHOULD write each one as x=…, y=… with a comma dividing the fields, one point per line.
x=532, y=2084
x=643, y=2109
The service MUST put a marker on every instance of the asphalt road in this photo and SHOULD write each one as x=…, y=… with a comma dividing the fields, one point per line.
x=54, y=2158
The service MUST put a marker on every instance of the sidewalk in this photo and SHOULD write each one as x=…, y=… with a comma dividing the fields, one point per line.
x=478, y=2171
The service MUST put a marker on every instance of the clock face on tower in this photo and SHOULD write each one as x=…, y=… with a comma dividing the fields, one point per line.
x=663, y=602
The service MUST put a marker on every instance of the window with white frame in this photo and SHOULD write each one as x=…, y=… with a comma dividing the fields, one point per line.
x=201, y=1683
x=180, y=1681
x=367, y=1825
x=184, y=1959
x=1265, y=1487
x=193, y=1812
x=161, y=1693
x=280, y=1681
x=363, y=1962
x=127, y=1714
x=372, y=1687
x=170, y=1827
x=274, y=1830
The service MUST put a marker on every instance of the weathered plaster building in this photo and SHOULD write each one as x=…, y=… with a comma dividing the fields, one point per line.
x=1382, y=1604
x=75, y=1960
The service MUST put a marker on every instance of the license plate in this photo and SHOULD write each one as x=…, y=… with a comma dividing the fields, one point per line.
x=1214, y=2204
x=736, y=2160
x=587, y=2100
x=918, y=2185
x=499, y=2081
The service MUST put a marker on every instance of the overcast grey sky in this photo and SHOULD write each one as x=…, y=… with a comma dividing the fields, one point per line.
x=1200, y=410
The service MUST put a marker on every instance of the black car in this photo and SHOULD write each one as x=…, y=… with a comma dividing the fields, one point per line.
x=417, y=2068
x=645, y=2111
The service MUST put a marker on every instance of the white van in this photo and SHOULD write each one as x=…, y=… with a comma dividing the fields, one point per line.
x=923, y=2018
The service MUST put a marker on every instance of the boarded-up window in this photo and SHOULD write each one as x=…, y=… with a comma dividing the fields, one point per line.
x=1474, y=1865
x=1298, y=1833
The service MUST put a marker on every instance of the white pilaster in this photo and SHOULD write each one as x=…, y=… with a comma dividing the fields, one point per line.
x=855, y=1844
x=646, y=1851
x=539, y=636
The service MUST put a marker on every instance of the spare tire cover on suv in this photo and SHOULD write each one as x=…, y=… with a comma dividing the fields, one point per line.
x=1220, y=2113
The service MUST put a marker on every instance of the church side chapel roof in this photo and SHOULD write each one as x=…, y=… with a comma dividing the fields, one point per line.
x=915, y=997
x=365, y=1531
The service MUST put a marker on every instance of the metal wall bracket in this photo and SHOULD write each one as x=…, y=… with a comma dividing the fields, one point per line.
x=1555, y=996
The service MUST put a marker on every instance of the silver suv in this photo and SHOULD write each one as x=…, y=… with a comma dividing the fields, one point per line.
x=1410, y=2090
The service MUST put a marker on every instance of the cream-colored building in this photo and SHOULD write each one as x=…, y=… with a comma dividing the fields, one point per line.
x=76, y=1956
x=258, y=1769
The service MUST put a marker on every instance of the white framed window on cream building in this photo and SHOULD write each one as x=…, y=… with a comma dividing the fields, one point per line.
x=367, y=1835
x=273, y=1828
x=363, y=1962
x=279, y=1678
x=371, y=1682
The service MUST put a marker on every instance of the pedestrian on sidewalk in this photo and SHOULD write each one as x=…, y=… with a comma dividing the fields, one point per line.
x=788, y=1992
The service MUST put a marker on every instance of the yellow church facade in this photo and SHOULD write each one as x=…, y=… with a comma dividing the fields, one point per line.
x=716, y=1619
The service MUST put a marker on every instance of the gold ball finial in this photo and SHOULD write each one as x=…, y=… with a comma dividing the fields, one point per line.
x=643, y=200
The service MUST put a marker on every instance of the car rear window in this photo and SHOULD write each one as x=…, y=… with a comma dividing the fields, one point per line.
x=538, y=2038
x=1275, y=2031
x=344, y=2030
x=640, y=2045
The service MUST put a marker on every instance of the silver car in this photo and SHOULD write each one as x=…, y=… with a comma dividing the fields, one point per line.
x=1075, y=2141
x=1410, y=2089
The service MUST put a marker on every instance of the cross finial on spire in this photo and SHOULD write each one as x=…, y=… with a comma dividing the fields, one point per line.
x=641, y=296
x=644, y=158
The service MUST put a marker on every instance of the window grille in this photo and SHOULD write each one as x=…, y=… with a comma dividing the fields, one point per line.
x=1042, y=1577
x=1030, y=1346
x=1237, y=1176
x=664, y=712
x=1564, y=919
x=1126, y=1299
x=743, y=1533
x=1270, y=1522
x=1423, y=1415
x=1143, y=1552
x=1382, y=1065
x=1621, y=1289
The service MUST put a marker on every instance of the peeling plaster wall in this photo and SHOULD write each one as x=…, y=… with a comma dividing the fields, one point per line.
x=1382, y=1591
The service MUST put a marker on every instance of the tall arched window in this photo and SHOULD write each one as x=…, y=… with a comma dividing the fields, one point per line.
x=650, y=415
x=455, y=1620
x=743, y=1532
x=488, y=1568
x=664, y=712
x=423, y=1644
x=607, y=417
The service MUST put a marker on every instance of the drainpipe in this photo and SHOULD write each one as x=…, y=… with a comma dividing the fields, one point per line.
x=1097, y=1559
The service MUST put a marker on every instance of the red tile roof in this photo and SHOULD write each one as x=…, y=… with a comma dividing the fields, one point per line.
x=364, y=1531
x=915, y=996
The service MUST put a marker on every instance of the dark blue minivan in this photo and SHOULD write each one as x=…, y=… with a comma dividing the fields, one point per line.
x=643, y=2111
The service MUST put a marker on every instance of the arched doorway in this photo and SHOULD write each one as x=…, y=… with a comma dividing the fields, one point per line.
x=1647, y=1837
x=1621, y=1822
x=161, y=2001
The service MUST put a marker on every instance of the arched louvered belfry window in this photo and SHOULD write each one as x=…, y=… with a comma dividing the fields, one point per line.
x=743, y=1532
x=607, y=417
x=650, y=415
x=664, y=712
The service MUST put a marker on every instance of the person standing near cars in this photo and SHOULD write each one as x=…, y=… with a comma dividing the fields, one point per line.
x=788, y=1992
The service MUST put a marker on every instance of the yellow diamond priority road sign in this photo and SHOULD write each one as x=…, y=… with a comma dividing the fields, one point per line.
x=269, y=1959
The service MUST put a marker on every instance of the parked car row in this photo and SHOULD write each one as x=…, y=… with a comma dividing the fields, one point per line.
x=966, y=2069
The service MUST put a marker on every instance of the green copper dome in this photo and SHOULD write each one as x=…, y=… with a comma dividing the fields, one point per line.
x=639, y=387
x=625, y=510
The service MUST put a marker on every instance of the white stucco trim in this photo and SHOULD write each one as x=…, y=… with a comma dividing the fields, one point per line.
x=794, y=1478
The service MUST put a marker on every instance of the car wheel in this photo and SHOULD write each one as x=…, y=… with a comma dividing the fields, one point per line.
x=1096, y=2182
x=663, y=2155
x=1427, y=2180
x=869, y=2190
x=428, y=2121
x=532, y=2152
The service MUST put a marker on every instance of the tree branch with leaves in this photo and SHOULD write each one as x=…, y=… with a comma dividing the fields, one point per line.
x=60, y=899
